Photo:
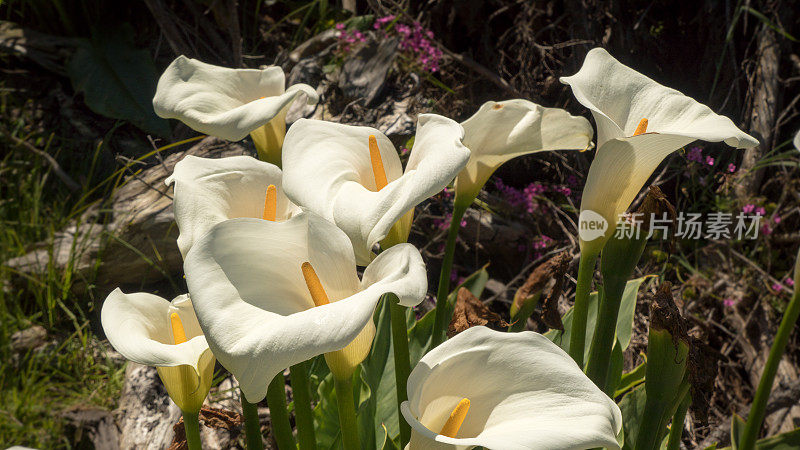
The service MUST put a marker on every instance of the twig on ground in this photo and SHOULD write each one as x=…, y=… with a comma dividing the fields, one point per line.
x=71, y=184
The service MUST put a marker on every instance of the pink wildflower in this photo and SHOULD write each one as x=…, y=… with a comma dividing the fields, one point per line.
x=695, y=154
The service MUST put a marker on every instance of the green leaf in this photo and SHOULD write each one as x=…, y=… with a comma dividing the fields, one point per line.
x=615, y=368
x=631, y=379
x=665, y=384
x=627, y=308
x=624, y=328
x=380, y=415
x=760, y=16
x=326, y=416
x=117, y=79
x=737, y=430
x=785, y=441
x=632, y=408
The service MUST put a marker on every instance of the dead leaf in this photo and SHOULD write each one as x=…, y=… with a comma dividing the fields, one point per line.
x=210, y=417
x=702, y=368
x=471, y=312
x=550, y=314
x=551, y=269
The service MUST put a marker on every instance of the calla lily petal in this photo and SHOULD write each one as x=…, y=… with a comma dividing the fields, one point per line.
x=254, y=305
x=139, y=327
x=501, y=131
x=619, y=170
x=797, y=140
x=327, y=169
x=211, y=190
x=621, y=100
x=524, y=391
x=223, y=102
x=619, y=97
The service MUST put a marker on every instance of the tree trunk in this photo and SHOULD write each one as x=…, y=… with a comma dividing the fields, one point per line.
x=764, y=109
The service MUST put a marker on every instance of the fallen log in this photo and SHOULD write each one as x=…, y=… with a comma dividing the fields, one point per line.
x=133, y=239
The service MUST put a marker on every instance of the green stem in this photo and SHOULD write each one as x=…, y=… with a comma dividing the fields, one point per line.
x=676, y=430
x=580, y=311
x=657, y=412
x=302, y=406
x=347, y=413
x=191, y=425
x=252, y=426
x=402, y=364
x=597, y=367
x=279, y=414
x=441, y=321
x=757, y=411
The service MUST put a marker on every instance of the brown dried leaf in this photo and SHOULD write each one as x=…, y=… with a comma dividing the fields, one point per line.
x=552, y=269
x=471, y=312
x=702, y=367
x=655, y=204
x=210, y=417
x=664, y=314
x=550, y=314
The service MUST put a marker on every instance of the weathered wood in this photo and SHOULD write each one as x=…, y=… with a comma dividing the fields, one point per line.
x=364, y=72
x=756, y=342
x=50, y=52
x=146, y=416
x=91, y=427
x=137, y=243
x=765, y=105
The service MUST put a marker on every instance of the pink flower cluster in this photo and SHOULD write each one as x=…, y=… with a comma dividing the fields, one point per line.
x=766, y=227
x=381, y=21
x=416, y=41
x=347, y=38
x=444, y=224
x=777, y=287
x=696, y=154
x=538, y=245
x=749, y=208
x=526, y=198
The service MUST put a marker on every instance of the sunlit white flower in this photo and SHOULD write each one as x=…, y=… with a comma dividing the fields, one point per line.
x=639, y=123
x=211, y=190
x=264, y=309
x=230, y=103
x=150, y=330
x=500, y=131
x=506, y=391
x=353, y=176
x=797, y=140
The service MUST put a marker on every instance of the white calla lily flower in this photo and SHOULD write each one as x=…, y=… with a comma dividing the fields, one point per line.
x=353, y=176
x=639, y=123
x=506, y=391
x=211, y=190
x=501, y=131
x=153, y=331
x=260, y=305
x=230, y=103
x=797, y=140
